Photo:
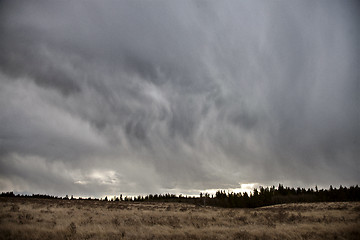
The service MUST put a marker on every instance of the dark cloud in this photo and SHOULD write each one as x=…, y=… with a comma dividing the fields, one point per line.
x=139, y=97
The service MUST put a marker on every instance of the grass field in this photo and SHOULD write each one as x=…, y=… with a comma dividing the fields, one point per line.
x=22, y=218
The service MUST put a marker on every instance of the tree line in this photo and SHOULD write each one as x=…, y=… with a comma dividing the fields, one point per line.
x=265, y=196
x=262, y=196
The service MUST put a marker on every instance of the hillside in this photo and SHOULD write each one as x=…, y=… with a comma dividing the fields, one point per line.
x=31, y=218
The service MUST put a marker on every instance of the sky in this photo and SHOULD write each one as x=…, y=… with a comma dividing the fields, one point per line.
x=136, y=97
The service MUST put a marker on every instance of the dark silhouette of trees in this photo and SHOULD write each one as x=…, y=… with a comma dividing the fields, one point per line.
x=263, y=196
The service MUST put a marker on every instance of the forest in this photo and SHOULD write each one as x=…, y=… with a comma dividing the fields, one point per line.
x=262, y=196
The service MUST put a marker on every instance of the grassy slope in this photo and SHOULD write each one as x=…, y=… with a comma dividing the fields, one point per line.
x=62, y=219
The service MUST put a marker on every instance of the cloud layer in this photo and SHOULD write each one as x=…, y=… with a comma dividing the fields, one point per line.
x=140, y=97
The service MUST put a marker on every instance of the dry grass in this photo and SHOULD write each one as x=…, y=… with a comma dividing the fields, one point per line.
x=62, y=219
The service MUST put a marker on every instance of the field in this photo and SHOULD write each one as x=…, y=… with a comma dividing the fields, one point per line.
x=29, y=218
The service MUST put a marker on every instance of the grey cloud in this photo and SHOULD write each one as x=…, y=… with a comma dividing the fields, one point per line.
x=21, y=46
x=140, y=97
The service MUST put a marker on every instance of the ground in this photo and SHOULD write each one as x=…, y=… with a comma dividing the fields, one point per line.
x=26, y=218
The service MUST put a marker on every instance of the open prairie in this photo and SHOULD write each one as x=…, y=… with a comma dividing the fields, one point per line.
x=26, y=218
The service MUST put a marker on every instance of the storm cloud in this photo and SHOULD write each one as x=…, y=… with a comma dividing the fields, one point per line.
x=139, y=97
